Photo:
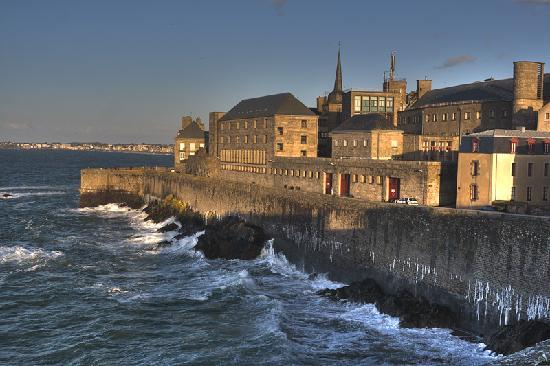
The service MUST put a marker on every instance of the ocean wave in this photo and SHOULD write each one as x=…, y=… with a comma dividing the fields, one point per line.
x=19, y=254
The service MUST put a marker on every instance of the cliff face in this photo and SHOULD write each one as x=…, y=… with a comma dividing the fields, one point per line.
x=489, y=268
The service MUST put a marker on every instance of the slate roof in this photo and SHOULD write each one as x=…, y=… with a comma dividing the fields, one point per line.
x=193, y=131
x=269, y=105
x=365, y=123
x=484, y=91
x=511, y=133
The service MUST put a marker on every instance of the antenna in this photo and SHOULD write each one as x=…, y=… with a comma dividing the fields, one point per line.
x=392, y=65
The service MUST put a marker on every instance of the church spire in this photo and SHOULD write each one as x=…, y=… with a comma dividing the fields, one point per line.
x=336, y=95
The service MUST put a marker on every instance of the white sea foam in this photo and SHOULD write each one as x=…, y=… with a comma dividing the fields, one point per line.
x=184, y=246
x=19, y=254
x=14, y=195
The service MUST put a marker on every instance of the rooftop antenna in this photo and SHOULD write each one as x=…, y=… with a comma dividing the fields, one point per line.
x=392, y=65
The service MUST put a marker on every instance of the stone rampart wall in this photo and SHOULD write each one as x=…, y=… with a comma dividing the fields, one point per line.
x=491, y=268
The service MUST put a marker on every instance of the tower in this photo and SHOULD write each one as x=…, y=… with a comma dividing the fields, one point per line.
x=394, y=85
x=528, y=93
x=335, y=96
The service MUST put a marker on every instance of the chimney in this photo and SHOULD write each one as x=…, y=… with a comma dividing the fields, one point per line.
x=422, y=87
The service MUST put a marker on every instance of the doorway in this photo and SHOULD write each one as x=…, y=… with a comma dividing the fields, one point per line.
x=394, y=188
x=328, y=183
x=344, y=185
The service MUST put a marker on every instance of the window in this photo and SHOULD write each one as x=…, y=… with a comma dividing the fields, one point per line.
x=279, y=146
x=365, y=143
x=303, y=153
x=246, y=139
x=265, y=139
x=238, y=125
x=531, y=146
x=427, y=118
x=238, y=139
x=182, y=155
x=382, y=104
x=545, y=193
x=504, y=113
x=444, y=117
x=546, y=169
x=221, y=140
x=354, y=143
x=434, y=117
x=453, y=116
x=529, y=169
x=529, y=193
x=280, y=130
x=254, y=139
x=478, y=115
x=318, y=175
x=513, y=169
x=475, y=145
x=228, y=139
x=345, y=142
x=304, y=123
x=492, y=113
x=303, y=139
x=546, y=147
x=255, y=123
x=371, y=179
x=475, y=168
x=363, y=178
x=357, y=103
x=265, y=122
x=513, y=146
x=547, y=116
x=182, y=146
x=373, y=104
x=245, y=124
x=355, y=178
x=394, y=144
x=378, y=179
x=466, y=115
x=365, y=104
x=474, y=195
x=335, y=142
x=513, y=193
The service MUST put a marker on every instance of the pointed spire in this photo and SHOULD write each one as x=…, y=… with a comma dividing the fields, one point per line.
x=338, y=81
x=336, y=95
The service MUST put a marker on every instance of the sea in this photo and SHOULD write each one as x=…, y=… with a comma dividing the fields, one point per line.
x=87, y=286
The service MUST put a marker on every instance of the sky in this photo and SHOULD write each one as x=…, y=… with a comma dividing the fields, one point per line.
x=126, y=71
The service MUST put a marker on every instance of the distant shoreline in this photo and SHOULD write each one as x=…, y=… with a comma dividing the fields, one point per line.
x=103, y=151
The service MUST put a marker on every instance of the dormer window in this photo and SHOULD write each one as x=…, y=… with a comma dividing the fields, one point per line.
x=531, y=146
x=475, y=145
x=513, y=146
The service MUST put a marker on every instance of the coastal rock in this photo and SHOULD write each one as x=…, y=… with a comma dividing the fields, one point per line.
x=231, y=238
x=163, y=244
x=170, y=227
x=413, y=312
x=7, y=195
x=513, y=338
x=157, y=213
x=366, y=291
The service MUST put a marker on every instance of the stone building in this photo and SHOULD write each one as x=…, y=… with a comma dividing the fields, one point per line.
x=442, y=116
x=189, y=140
x=504, y=165
x=367, y=136
x=257, y=130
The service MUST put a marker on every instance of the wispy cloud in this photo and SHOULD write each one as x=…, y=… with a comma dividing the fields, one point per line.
x=279, y=6
x=16, y=126
x=457, y=60
x=533, y=2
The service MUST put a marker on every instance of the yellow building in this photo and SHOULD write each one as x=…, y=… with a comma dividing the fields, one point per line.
x=504, y=165
x=189, y=140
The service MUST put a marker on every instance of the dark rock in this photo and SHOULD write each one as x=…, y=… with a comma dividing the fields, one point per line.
x=513, y=338
x=366, y=291
x=170, y=227
x=413, y=312
x=157, y=212
x=231, y=238
x=7, y=195
x=163, y=244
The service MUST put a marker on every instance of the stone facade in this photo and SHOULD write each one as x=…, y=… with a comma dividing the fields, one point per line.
x=189, y=140
x=488, y=267
x=374, y=144
x=430, y=147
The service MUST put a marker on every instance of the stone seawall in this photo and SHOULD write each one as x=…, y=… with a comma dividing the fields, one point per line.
x=490, y=268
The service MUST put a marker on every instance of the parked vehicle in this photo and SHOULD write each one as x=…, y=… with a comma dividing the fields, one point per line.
x=407, y=201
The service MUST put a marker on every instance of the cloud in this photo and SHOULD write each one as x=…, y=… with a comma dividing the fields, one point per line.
x=279, y=6
x=457, y=60
x=17, y=126
x=533, y=2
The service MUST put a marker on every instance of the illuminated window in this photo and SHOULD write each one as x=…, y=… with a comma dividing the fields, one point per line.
x=474, y=195
x=303, y=153
x=304, y=123
x=513, y=146
x=357, y=103
x=303, y=139
x=466, y=115
x=453, y=116
x=279, y=146
x=345, y=142
x=246, y=139
x=444, y=117
x=529, y=193
x=530, y=146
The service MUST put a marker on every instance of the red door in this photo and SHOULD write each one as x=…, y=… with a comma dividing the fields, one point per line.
x=344, y=185
x=394, y=189
x=328, y=183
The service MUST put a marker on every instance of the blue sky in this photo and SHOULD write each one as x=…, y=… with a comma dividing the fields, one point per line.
x=126, y=71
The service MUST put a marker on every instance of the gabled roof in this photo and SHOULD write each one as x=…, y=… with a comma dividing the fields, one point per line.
x=365, y=123
x=192, y=131
x=269, y=105
x=481, y=91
